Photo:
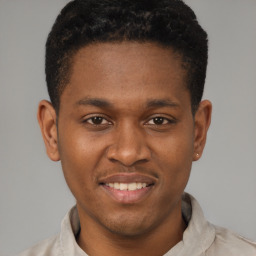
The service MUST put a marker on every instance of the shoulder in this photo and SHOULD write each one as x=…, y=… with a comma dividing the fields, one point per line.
x=229, y=243
x=49, y=247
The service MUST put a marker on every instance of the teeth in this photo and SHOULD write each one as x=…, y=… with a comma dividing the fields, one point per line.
x=127, y=186
x=123, y=186
x=139, y=185
x=132, y=186
x=116, y=185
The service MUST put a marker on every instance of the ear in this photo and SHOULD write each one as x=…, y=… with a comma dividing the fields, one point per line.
x=202, y=123
x=47, y=120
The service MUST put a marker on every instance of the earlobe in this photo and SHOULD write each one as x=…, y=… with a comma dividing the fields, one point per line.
x=47, y=120
x=202, y=123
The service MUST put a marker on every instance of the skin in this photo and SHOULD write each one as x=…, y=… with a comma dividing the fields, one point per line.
x=141, y=123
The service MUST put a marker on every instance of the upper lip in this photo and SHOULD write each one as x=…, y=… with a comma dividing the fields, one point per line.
x=128, y=178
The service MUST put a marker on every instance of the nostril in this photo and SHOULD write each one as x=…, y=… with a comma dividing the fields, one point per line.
x=128, y=151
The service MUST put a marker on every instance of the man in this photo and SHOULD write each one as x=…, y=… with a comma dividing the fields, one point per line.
x=126, y=121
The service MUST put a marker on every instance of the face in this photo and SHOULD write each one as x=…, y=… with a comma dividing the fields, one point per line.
x=127, y=136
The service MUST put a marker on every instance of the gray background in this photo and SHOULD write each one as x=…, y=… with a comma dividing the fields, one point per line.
x=33, y=193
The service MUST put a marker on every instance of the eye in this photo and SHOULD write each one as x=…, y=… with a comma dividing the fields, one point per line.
x=97, y=120
x=159, y=121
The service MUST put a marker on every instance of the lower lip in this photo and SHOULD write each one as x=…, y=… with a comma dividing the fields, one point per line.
x=126, y=196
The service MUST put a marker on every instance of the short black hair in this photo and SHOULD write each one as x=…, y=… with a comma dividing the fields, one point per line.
x=168, y=23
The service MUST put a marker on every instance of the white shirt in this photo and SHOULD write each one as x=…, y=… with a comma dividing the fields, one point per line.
x=201, y=238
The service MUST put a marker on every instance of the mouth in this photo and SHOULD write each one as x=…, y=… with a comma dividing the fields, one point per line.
x=128, y=188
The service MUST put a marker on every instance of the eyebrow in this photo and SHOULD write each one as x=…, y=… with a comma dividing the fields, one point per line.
x=94, y=102
x=156, y=103
x=152, y=103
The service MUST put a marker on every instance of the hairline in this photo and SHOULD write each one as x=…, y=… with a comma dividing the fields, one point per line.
x=71, y=54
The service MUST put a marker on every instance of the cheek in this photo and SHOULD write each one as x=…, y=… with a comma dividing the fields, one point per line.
x=80, y=156
x=174, y=156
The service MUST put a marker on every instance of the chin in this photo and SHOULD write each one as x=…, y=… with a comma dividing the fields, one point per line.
x=129, y=226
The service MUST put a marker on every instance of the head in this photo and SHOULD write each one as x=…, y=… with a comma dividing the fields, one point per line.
x=126, y=79
x=167, y=23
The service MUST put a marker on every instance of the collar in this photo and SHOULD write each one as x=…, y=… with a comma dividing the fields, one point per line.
x=197, y=238
x=199, y=234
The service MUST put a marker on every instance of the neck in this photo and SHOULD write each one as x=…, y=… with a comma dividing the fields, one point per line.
x=96, y=240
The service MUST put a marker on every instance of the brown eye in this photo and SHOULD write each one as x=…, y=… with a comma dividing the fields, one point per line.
x=158, y=121
x=97, y=120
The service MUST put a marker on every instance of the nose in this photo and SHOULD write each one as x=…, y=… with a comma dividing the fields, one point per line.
x=129, y=146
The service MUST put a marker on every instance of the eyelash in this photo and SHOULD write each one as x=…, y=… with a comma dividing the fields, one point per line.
x=163, y=121
x=97, y=117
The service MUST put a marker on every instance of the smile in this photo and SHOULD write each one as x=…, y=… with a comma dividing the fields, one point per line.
x=127, y=186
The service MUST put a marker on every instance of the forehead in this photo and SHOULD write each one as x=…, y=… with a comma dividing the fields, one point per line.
x=124, y=58
x=126, y=70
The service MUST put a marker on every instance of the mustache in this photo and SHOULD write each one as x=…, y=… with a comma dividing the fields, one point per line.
x=138, y=170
